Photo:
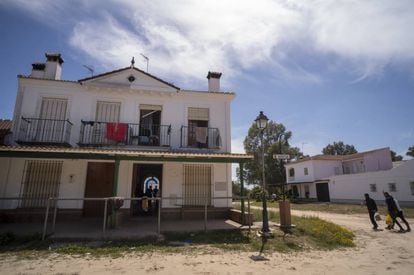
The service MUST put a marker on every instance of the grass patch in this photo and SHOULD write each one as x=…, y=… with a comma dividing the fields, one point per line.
x=325, y=234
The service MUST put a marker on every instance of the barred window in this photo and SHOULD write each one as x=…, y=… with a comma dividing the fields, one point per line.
x=40, y=182
x=197, y=184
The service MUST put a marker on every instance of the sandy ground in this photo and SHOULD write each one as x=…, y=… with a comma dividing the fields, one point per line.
x=377, y=252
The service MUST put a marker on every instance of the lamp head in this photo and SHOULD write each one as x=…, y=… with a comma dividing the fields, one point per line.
x=261, y=121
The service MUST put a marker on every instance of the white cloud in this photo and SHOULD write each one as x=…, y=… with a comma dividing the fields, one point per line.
x=184, y=39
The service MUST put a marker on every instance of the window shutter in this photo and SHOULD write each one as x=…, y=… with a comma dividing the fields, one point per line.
x=198, y=114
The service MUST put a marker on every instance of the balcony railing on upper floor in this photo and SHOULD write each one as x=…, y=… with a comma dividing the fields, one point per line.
x=39, y=131
x=200, y=137
x=96, y=133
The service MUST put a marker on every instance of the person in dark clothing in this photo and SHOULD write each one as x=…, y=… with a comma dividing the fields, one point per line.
x=392, y=210
x=400, y=215
x=372, y=209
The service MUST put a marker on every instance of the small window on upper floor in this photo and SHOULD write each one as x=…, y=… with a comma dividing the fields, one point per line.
x=373, y=187
x=291, y=172
x=412, y=187
x=305, y=171
x=392, y=187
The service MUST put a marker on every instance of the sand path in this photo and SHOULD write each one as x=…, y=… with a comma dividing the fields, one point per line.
x=377, y=252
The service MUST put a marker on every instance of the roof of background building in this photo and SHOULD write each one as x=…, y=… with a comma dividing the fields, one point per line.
x=337, y=157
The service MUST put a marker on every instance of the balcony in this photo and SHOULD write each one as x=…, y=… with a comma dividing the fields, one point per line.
x=95, y=133
x=41, y=131
x=200, y=137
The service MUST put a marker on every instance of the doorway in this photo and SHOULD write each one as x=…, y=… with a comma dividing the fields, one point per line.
x=146, y=181
x=322, y=191
x=99, y=184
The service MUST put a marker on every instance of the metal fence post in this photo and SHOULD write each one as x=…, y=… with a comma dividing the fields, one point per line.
x=54, y=217
x=45, y=224
x=159, y=215
x=105, y=214
x=205, y=214
x=248, y=213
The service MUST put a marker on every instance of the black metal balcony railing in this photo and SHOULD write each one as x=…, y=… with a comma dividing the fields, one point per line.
x=96, y=133
x=200, y=137
x=44, y=131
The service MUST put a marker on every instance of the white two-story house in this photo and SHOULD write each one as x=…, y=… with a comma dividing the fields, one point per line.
x=347, y=178
x=119, y=133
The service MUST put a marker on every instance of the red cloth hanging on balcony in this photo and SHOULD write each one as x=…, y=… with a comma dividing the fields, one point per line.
x=116, y=131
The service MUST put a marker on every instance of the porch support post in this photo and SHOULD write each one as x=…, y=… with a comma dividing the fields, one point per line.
x=116, y=175
x=241, y=191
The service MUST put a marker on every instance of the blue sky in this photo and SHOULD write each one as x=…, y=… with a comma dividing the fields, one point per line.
x=327, y=70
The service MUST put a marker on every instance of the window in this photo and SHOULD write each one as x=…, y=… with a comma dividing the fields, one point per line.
x=337, y=171
x=198, y=127
x=412, y=187
x=197, y=184
x=373, y=187
x=291, y=172
x=305, y=170
x=392, y=187
x=107, y=111
x=41, y=181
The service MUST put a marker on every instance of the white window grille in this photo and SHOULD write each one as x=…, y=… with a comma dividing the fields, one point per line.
x=40, y=182
x=197, y=184
x=305, y=171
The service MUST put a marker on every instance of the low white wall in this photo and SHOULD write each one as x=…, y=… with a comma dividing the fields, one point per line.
x=353, y=187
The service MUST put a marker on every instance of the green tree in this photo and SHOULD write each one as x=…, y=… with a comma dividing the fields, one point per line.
x=276, y=141
x=410, y=152
x=236, y=187
x=395, y=157
x=339, y=148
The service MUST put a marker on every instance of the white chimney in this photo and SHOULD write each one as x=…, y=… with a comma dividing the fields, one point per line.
x=213, y=81
x=53, y=69
x=38, y=70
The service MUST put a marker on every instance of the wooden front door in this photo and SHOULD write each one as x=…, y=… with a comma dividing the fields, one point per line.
x=99, y=184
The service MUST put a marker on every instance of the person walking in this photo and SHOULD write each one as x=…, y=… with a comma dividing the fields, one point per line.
x=392, y=210
x=372, y=209
x=400, y=215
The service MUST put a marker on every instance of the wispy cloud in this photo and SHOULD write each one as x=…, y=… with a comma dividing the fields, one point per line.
x=185, y=39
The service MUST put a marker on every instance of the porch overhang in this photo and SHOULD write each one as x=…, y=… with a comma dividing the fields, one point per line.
x=120, y=154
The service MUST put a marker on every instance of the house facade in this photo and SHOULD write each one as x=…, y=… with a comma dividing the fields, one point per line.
x=347, y=178
x=122, y=133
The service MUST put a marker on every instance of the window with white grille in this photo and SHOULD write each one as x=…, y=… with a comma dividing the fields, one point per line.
x=107, y=111
x=197, y=184
x=40, y=182
x=373, y=187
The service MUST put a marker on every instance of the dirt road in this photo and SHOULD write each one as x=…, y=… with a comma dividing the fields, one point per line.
x=377, y=252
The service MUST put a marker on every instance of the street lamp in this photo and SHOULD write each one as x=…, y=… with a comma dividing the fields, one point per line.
x=261, y=124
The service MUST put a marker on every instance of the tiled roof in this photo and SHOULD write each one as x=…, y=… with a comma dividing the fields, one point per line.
x=5, y=124
x=128, y=68
x=122, y=152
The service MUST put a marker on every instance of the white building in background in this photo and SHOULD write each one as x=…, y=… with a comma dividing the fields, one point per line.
x=114, y=134
x=347, y=178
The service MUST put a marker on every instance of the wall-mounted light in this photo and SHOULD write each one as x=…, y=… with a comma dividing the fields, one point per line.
x=71, y=178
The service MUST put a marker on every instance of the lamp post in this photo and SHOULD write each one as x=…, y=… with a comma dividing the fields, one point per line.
x=261, y=124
